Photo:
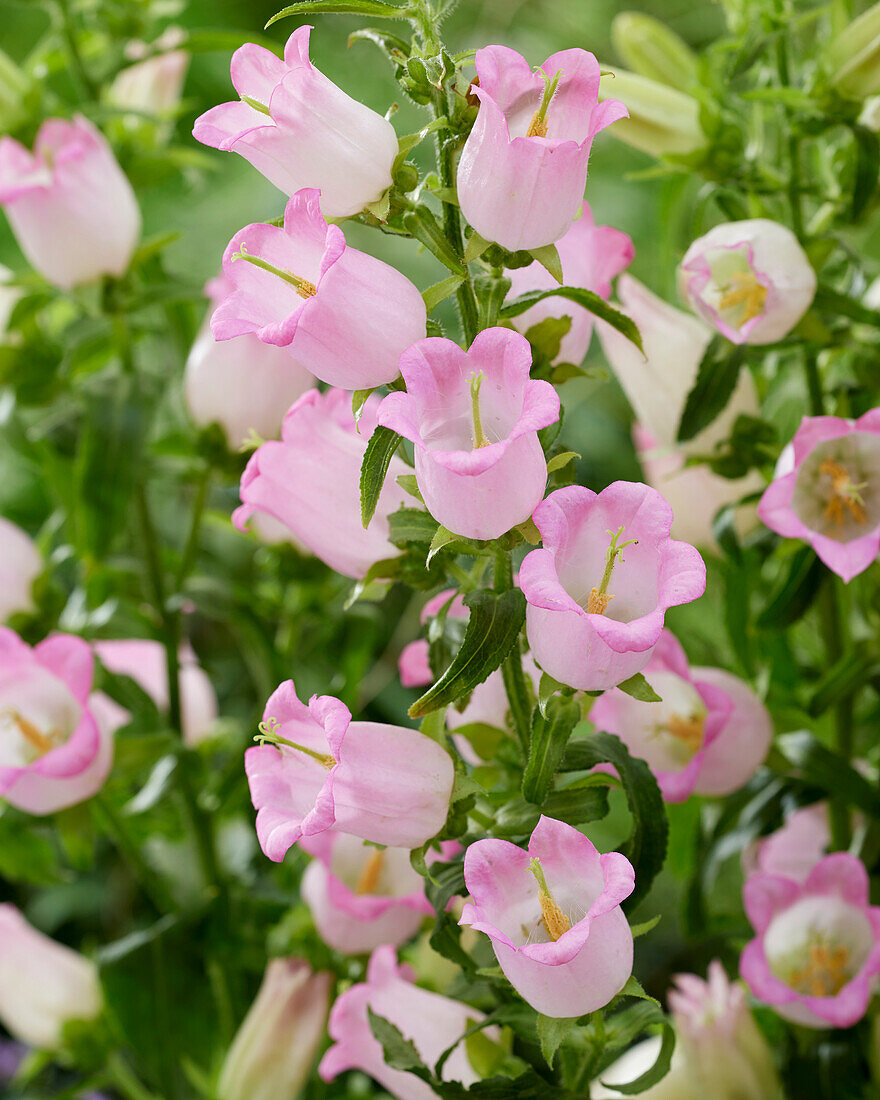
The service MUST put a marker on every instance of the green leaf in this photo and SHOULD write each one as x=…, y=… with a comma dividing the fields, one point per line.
x=552, y=1033
x=794, y=591
x=398, y=1053
x=639, y=688
x=586, y=298
x=483, y=738
x=867, y=171
x=422, y=224
x=560, y=460
x=549, y=736
x=411, y=525
x=377, y=457
x=395, y=49
x=546, y=688
x=658, y=1071
x=26, y=854
x=359, y=398
x=579, y=803
x=716, y=380
x=492, y=629
x=843, y=679
x=490, y=293
x=645, y=926
x=439, y=292
x=820, y=766
x=475, y=248
x=546, y=336
x=341, y=7
x=410, y=485
x=441, y=538
x=548, y=257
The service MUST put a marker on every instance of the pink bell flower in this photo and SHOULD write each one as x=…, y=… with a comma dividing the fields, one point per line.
x=243, y=384
x=343, y=315
x=361, y=896
x=474, y=417
x=553, y=915
x=709, y=735
x=20, y=565
x=816, y=955
x=273, y=1050
x=830, y=497
x=430, y=1021
x=750, y=280
x=43, y=984
x=796, y=848
x=579, y=632
x=383, y=783
x=300, y=130
x=310, y=482
x=591, y=255
x=69, y=204
x=53, y=752
x=523, y=169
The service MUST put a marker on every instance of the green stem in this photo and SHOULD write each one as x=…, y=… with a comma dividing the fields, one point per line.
x=124, y=1079
x=794, y=151
x=512, y=669
x=192, y=543
x=834, y=631
x=814, y=383
x=151, y=883
x=88, y=86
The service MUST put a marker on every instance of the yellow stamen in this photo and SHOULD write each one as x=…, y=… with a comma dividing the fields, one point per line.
x=480, y=438
x=268, y=732
x=689, y=730
x=538, y=125
x=824, y=974
x=303, y=287
x=369, y=878
x=845, y=496
x=35, y=737
x=744, y=290
x=555, y=921
x=598, y=602
x=599, y=599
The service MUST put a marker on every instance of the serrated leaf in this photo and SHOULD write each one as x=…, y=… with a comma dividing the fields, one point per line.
x=580, y=803
x=492, y=629
x=475, y=248
x=552, y=1033
x=398, y=1053
x=490, y=292
x=377, y=458
x=548, y=257
x=586, y=298
x=411, y=525
x=375, y=8
x=558, y=461
x=439, y=292
x=551, y=729
x=639, y=688
x=716, y=380
x=442, y=537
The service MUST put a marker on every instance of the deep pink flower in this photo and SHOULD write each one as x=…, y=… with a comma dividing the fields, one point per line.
x=522, y=172
x=383, y=783
x=310, y=482
x=303, y=131
x=831, y=498
x=582, y=633
x=20, y=565
x=70, y=206
x=553, y=915
x=474, y=417
x=343, y=315
x=709, y=734
x=54, y=753
x=592, y=255
x=431, y=1022
x=816, y=956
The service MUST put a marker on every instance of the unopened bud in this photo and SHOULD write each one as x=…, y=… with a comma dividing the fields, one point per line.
x=651, y=49
x=854, y=56
x=662, y=120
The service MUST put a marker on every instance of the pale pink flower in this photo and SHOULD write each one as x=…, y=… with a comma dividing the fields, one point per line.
x=553, y=915
x=595, y=613
x=20, y=565
x=152, y=86
x=796, y=848
x=71, y=208
x=343, y=315
x=300, y=130
x=474, y=417
x=523, y=169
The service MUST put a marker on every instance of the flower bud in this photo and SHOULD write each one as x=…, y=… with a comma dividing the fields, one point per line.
x=662, y=120
x=43, y=984
x=651, y=49
x=854, y=56
x=20, y=565
x=151, y=89
x=273, y=1050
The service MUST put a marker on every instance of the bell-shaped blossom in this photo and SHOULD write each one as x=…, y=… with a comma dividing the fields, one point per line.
x=310, y=482
x=596, y=607
x=660, y=120
x=144, y=661
x=523, y=169
x=300, y=130
x=43, y=984
x=361, y=896
x=751, y=280
x=383, y=783
x=796, y=848
x=20, y=565
x=153, y=85
x=816, y=955
x=53, y=753
x=273, y=1050
x=827, y=491
x=431, y=1022
x=591, y=256
x=70, y=206
x=343, y=315
x=243, y=384
x=553, y=915
x=474, y=418
x=709, y=734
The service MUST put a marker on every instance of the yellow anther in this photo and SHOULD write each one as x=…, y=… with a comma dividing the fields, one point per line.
x=369, y=877
x=598, y=602
x=690, y=730
x=42, y=742
x=824, y=973
x=845, y=496
x=555, y=921
x=744, y=290
x=538, y=126
x=599, y=599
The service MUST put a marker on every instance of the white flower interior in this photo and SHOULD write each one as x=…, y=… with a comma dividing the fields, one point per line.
x=734, y=290
x=837, y=490
x=673, y=730
x=37, y=714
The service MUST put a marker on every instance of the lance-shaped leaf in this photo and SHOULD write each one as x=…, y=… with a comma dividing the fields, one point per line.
x=373, y=8
x=383, y=443
x=549, y=736
x=822, y=767
x=716, y=380
x=586, y=298
x=427, y=231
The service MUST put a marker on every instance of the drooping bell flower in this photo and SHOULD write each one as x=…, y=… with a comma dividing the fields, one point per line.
x=319, y=770
x=750, y=280
x=243, y=384
x=20, y=565
x=343, y=315
x=474, y=418
x=553, y=915
x=43, y=984
x=310, y=482
x=54, y=753
x=591, y=256
x=709, y=734
x=827, y=492
x=361, y=896
x=598, y=589
x=523, y=169
x=300, y=130
x=273, y=1050
x=816, y=955
x=144, y=661
x=796, y=848
x=430, y=1021
x=70, y=206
